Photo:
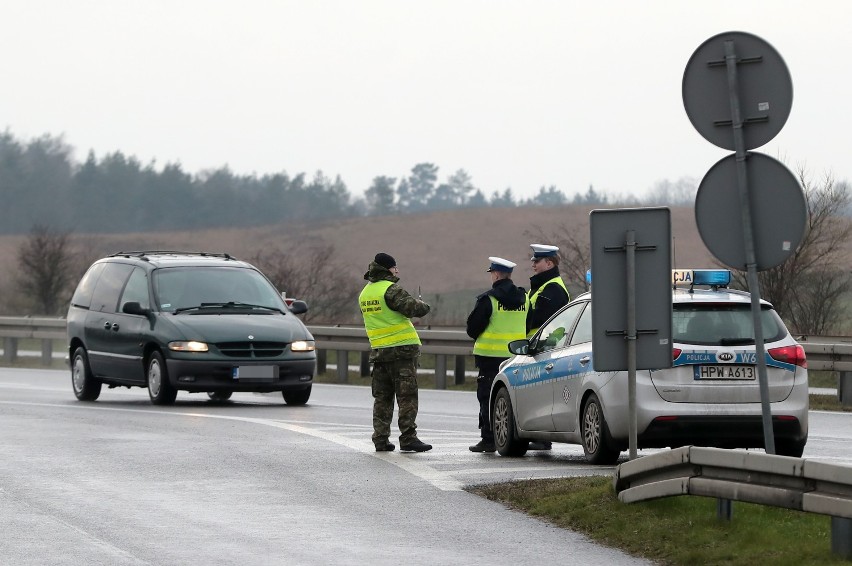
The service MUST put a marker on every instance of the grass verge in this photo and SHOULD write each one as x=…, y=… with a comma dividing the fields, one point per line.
x=676, y=530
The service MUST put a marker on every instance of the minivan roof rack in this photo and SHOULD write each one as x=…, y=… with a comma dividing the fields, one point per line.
x=143, y=253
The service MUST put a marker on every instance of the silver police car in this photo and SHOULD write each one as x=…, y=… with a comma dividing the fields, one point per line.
x=550, y=391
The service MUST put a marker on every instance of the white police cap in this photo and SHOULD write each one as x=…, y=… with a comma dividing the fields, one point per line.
x=543, y=250
x=500, y=264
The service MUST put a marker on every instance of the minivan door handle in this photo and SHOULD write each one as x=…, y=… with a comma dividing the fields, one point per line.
x=548, y=367
x=115, y=327
x=107, y=325
x=585, y=359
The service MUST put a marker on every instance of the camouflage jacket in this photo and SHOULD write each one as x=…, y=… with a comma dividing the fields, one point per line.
x=402, y=302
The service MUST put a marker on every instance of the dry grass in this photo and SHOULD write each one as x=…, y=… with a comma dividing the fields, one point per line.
x=441, y=252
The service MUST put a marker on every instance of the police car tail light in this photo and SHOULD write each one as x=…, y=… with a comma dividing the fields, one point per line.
x=789, y=354
x=676, y=353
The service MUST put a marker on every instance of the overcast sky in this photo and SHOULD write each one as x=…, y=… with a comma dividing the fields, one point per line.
x=519, y=94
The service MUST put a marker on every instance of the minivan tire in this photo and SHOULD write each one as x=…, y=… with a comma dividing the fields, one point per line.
x=159, y=387
x=86, y=386
x=298, y=397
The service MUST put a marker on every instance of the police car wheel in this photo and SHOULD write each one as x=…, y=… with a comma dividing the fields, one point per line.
x=503, y=424
x=86, y=387
x=790, y=448
x=595, y=432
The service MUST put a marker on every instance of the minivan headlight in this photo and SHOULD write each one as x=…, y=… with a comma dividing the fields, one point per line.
x=303, y=346
x=190, y=346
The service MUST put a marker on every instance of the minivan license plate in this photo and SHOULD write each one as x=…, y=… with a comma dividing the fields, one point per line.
x=255, y=373
x=724, y=372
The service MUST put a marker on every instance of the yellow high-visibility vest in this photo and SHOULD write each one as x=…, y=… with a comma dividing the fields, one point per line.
x=531, y=299
x=504, y=326
x=385, y=326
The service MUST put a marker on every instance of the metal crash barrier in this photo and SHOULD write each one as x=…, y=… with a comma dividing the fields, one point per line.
x=829, y=353
x=753, y=477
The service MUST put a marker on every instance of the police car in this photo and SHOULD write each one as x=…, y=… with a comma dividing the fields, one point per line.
x=550, y=391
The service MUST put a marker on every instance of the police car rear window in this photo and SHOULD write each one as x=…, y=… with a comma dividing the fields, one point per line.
x=723, y=324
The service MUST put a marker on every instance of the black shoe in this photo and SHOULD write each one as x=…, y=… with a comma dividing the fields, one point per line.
x=386, y=447
x=483, y=446
x=540, y=445
x=415, y=446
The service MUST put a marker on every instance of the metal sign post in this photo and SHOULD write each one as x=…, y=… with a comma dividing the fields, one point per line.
x=748, y=243
x=773, y=211
x=631, y=325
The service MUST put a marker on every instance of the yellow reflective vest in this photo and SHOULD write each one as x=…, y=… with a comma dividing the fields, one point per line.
x=504, y=326
x=385, y=326
x=531, y=299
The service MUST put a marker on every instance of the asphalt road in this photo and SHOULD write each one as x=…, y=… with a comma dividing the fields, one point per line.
x=254, y=481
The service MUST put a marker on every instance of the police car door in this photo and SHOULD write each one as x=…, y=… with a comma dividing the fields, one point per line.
x=534, y=394
x=577, y=363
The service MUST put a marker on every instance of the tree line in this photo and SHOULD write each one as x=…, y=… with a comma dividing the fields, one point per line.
x=42, y=184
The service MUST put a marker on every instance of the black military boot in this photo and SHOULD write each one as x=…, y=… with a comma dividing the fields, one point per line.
x=484, y=446
x=415, y=445
x=385, y=446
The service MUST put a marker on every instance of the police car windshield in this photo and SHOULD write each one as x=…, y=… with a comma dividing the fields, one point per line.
x=723, y=324
x=180, y=289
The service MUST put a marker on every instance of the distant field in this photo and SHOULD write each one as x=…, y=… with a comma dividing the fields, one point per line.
x=442, y=252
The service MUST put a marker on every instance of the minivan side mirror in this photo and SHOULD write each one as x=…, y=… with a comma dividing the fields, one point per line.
x=299, y=307
x=133, y=307
x=519, y=347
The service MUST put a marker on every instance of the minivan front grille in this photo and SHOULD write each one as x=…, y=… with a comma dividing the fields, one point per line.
x=252, y=349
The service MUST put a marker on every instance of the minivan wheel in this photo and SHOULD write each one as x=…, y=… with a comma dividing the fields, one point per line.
x=159, y=388
x=86, y=387
x=503, y=424
x=595, y=433
x=219, y=395
x=299, y=397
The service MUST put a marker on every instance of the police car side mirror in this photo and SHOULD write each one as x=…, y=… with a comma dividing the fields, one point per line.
x=519, y=347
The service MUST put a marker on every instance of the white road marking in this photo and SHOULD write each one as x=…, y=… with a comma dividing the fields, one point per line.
x=407, y=462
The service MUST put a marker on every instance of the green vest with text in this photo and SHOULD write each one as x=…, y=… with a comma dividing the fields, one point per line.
x=531, y=299
x=385, y=327
x=504, y=326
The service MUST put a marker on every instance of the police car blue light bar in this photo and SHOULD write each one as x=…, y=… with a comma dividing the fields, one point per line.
x=712, y=277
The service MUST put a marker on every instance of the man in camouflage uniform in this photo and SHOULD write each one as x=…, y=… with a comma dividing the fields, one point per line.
x=395, y=348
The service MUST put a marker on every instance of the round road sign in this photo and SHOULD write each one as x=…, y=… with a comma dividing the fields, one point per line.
x=778, y=211
x=764, y=86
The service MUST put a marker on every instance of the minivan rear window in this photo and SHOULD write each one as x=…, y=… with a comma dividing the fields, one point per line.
x=83, y=294
x=723, y=324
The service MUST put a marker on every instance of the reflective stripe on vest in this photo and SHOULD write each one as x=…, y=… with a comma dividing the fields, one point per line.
x=503, y=327
x=531, y=299
x=385, y=326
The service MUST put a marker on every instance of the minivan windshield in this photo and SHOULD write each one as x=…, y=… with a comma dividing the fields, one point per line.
x=723, y=324
x=182, y=288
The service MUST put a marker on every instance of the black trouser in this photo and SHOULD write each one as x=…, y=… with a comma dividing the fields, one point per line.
x=488, y=368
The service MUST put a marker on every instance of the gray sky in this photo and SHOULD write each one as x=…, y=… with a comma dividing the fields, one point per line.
x=519, y=94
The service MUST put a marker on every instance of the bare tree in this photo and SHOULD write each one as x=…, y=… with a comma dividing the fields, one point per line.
x=47, y=269
x=808, y=288
x=312, y=275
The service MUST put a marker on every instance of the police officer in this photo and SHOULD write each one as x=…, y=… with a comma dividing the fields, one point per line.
x=547, y=295
x=498, y=317
x=395, y=347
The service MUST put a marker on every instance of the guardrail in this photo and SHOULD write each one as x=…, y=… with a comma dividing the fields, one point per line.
x=753, y=477
x=829, y=353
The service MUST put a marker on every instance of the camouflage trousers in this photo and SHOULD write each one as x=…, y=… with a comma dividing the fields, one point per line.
x=395, y=378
